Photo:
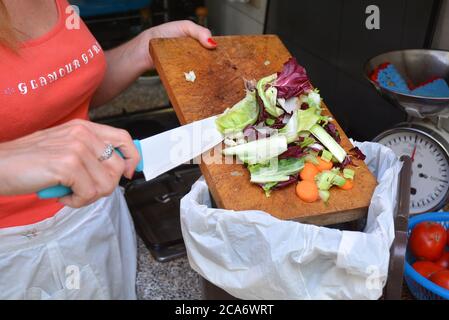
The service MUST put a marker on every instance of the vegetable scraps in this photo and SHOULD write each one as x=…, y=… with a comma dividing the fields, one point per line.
x=278, y=131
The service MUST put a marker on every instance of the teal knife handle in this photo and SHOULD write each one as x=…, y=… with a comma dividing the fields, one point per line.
x=60, y=191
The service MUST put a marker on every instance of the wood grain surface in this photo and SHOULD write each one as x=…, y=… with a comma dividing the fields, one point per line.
x=219, y=85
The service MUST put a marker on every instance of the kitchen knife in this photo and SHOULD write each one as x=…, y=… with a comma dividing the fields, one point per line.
x=163, y=152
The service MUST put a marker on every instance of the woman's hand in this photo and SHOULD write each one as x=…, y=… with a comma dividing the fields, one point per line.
x=69, y=155
x=176, y=29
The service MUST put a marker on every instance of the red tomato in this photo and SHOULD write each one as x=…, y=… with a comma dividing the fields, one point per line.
x=444, y=260
x=428, y=240
x=426, y=268
x=441, y=278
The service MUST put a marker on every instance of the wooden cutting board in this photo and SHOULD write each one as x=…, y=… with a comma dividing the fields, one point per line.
x=219, y=85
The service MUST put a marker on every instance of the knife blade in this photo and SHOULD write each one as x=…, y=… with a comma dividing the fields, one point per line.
x=162, y=152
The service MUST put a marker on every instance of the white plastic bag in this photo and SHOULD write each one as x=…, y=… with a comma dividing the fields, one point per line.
x=252, y=255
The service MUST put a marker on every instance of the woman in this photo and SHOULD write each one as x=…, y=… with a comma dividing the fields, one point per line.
x=51, y=71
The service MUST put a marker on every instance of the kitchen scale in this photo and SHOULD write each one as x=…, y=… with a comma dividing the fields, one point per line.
x=425, y=135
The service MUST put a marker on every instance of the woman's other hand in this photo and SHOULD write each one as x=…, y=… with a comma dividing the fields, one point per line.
x=175, y=29
x=69, y=155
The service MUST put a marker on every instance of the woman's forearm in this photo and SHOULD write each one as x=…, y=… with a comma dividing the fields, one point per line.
x=124, y=65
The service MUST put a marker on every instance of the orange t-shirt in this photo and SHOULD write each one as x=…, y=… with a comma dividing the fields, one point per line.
x=50, y=81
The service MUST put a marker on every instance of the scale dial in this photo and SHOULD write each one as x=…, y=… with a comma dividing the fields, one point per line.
x=430, y=167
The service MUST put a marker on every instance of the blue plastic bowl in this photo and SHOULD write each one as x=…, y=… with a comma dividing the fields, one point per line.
x=420, y=287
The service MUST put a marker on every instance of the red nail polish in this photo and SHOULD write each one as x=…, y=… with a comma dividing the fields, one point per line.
x=211, y=41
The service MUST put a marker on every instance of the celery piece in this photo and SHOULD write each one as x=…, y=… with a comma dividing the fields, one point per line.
x=326, y=139
x=326, y=156
x=348, y=174
x=324, y=180
x=338, y=180
x=307, y=142
x=324, y=195
x=311, y=159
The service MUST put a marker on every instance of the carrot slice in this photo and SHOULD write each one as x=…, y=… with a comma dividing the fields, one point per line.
x=307, y=191
x=324, y=165
x=349, y=184
x=309, y=172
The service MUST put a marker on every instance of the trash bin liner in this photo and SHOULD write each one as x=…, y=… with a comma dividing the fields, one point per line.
x=252, y=255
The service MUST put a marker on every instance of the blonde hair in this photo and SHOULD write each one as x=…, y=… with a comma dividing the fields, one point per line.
x=7, y=36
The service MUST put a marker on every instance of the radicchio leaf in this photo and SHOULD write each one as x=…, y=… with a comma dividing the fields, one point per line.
x=292, y=81
x=278, y=123
x=293, y=151
x=345, y=163
x=263, y=114
x=250, y=133
x=332, y=130
x=357, y=153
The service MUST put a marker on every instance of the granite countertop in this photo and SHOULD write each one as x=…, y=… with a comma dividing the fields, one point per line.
x=172, y=280
x=146, y=93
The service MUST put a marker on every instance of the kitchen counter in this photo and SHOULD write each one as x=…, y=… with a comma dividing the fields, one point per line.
x=146, y=93
x=171, y=280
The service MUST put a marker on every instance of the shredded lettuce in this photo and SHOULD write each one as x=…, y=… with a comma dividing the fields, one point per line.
x=259, y=151
x=313, y=99
x=269, y=96
x=276, y=171
x=307, y=119
x=291, y=128
x=268, y=187
x=242, y=114
x=301, y=120
x=289, y=114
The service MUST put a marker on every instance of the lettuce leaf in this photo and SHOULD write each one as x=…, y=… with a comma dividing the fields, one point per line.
x=269, y=95
x=312, y=99
x=307, y=119
x=242, y=114
x=292, y=81
x=268, y=187
x=301, y=120
x=276, y=171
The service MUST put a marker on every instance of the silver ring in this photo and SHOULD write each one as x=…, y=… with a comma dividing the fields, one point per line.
x=107, y=153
